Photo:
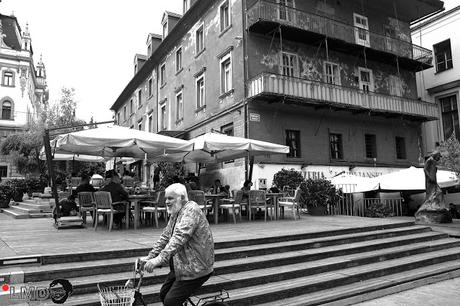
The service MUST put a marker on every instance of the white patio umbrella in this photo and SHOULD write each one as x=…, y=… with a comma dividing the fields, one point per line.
x=117, y=141
x=216, y=147
x=349, y=182
x=77, y=157
x=410, y=179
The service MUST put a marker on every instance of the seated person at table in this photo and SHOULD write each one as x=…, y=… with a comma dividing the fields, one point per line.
x=118, y=194
x=273, y=189
x=218, y=188
x=84, y=186
x=246, y=187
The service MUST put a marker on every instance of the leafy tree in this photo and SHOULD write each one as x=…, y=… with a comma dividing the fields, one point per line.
x=450, y=150
x=289, y=178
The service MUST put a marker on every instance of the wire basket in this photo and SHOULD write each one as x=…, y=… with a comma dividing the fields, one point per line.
x=116, y=295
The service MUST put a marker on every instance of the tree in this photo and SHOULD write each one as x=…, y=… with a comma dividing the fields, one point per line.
x=24, y=148
x=450, y=150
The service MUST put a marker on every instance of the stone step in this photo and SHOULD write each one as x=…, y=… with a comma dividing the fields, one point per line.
x=255, y=267
x=289, y=242
x=15, y=213
x=275, y=284
x=36, y=207
x=22, y=210
x=41, y=215
x=106, y=266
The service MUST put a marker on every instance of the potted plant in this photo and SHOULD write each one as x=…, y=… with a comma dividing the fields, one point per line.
x=19, y=187
x=287, y=178
x=6, y=192
x=35, y=185
x=318, y=195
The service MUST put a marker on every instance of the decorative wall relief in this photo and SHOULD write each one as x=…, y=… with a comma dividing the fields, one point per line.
x=309, y=70
x=269, y=60
x=23, y=79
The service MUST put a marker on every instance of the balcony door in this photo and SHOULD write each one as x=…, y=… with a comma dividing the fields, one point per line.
x=285, y=10
x=361, y=30
x=366, y=82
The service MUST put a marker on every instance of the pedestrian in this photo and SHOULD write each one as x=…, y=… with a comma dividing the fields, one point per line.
x=186, y=244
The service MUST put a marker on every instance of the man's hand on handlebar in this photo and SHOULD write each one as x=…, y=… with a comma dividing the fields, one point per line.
x=151, y=264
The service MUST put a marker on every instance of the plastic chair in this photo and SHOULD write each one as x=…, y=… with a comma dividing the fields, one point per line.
x=86, y=203
x=291, y=202
x=233, y=204
x=104, y=206
x=156, y=206
x=200, y=199
x=257, y=200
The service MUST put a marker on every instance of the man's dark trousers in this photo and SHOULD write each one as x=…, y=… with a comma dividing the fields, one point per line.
x=175, y=292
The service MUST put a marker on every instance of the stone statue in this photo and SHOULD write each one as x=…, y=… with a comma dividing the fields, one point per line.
x=434, y=209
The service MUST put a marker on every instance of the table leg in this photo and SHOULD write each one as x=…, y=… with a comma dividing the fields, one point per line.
x=216, y=210
x=275, y=199
x=136, y=214
x=127, y=215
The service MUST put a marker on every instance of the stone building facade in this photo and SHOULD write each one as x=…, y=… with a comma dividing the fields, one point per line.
x=23, y=89
x=333, y=81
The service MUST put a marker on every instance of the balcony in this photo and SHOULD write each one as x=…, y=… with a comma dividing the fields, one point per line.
x=271, y=86
x=267, y=17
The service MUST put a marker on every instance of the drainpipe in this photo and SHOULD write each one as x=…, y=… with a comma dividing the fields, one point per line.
x=245, y=80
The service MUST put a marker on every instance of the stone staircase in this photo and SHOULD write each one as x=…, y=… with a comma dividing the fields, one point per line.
x=30, y=208
x=330, y=267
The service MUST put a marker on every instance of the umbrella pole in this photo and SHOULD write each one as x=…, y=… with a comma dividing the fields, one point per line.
x=251, y=167
x=49, y=160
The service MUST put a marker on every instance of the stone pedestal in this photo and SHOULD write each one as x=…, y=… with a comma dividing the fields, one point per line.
x=434, y=209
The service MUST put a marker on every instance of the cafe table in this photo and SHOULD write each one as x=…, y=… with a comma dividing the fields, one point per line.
x=215, y=198
x=135, y=200
x=274, y=196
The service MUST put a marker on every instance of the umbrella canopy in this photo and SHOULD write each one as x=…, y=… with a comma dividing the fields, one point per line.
x=77, y=157
x=406, y=180
x=115, y=141
x=349, y=182
x=216, y=147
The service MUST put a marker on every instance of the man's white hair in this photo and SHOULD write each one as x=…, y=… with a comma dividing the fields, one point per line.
x=178, y=189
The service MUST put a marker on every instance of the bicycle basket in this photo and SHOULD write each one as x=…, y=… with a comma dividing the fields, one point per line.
x=116, y=295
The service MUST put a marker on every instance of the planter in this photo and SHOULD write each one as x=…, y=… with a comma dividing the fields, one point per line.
x=4, y=203
x=317, y=210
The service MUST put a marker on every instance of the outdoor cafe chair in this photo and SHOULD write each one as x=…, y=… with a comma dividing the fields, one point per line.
x=105, y=206
x=258, y=200
x=74, y=182
x=155, y=207
x=290, y=202
x=86, y=203
x=233, y=204
x=199, y=197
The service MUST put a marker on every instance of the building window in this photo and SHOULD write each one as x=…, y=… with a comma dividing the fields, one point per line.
x=200, y=92
x=165, y=29
x=149, y=50
x=335, y=143
x=6, y=110
x=3, y=171
x=139, y=98
x=8, y=78
x=179, y=107
x=361, y=30
x=185, y=5
x=164, y=120
x=226, y=73
x=118, y=117
x=285, y=10
x=131, y=107
x=150, y=127
x=293, y=142
x=366, y=82
x=179, y=60
x=139, y=125
x=449, y=116
x=289, y=64
x=443, y=56
x=331, y=73
x=150, y=87
x=199, y=40
x=370, y=142
x=400, y=143
x=124, y=113
x=227, y=129
x=224, y=16
x=163, y=74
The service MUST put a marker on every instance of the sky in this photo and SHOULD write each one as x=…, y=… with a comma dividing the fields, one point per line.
x=89, y=44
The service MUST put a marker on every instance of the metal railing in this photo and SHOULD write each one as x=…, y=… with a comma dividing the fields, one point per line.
x=268, y=83
x=263, y=10
x=347, y=206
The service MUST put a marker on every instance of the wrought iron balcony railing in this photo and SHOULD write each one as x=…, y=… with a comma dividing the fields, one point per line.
x=324, y=93
x=267, y=11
